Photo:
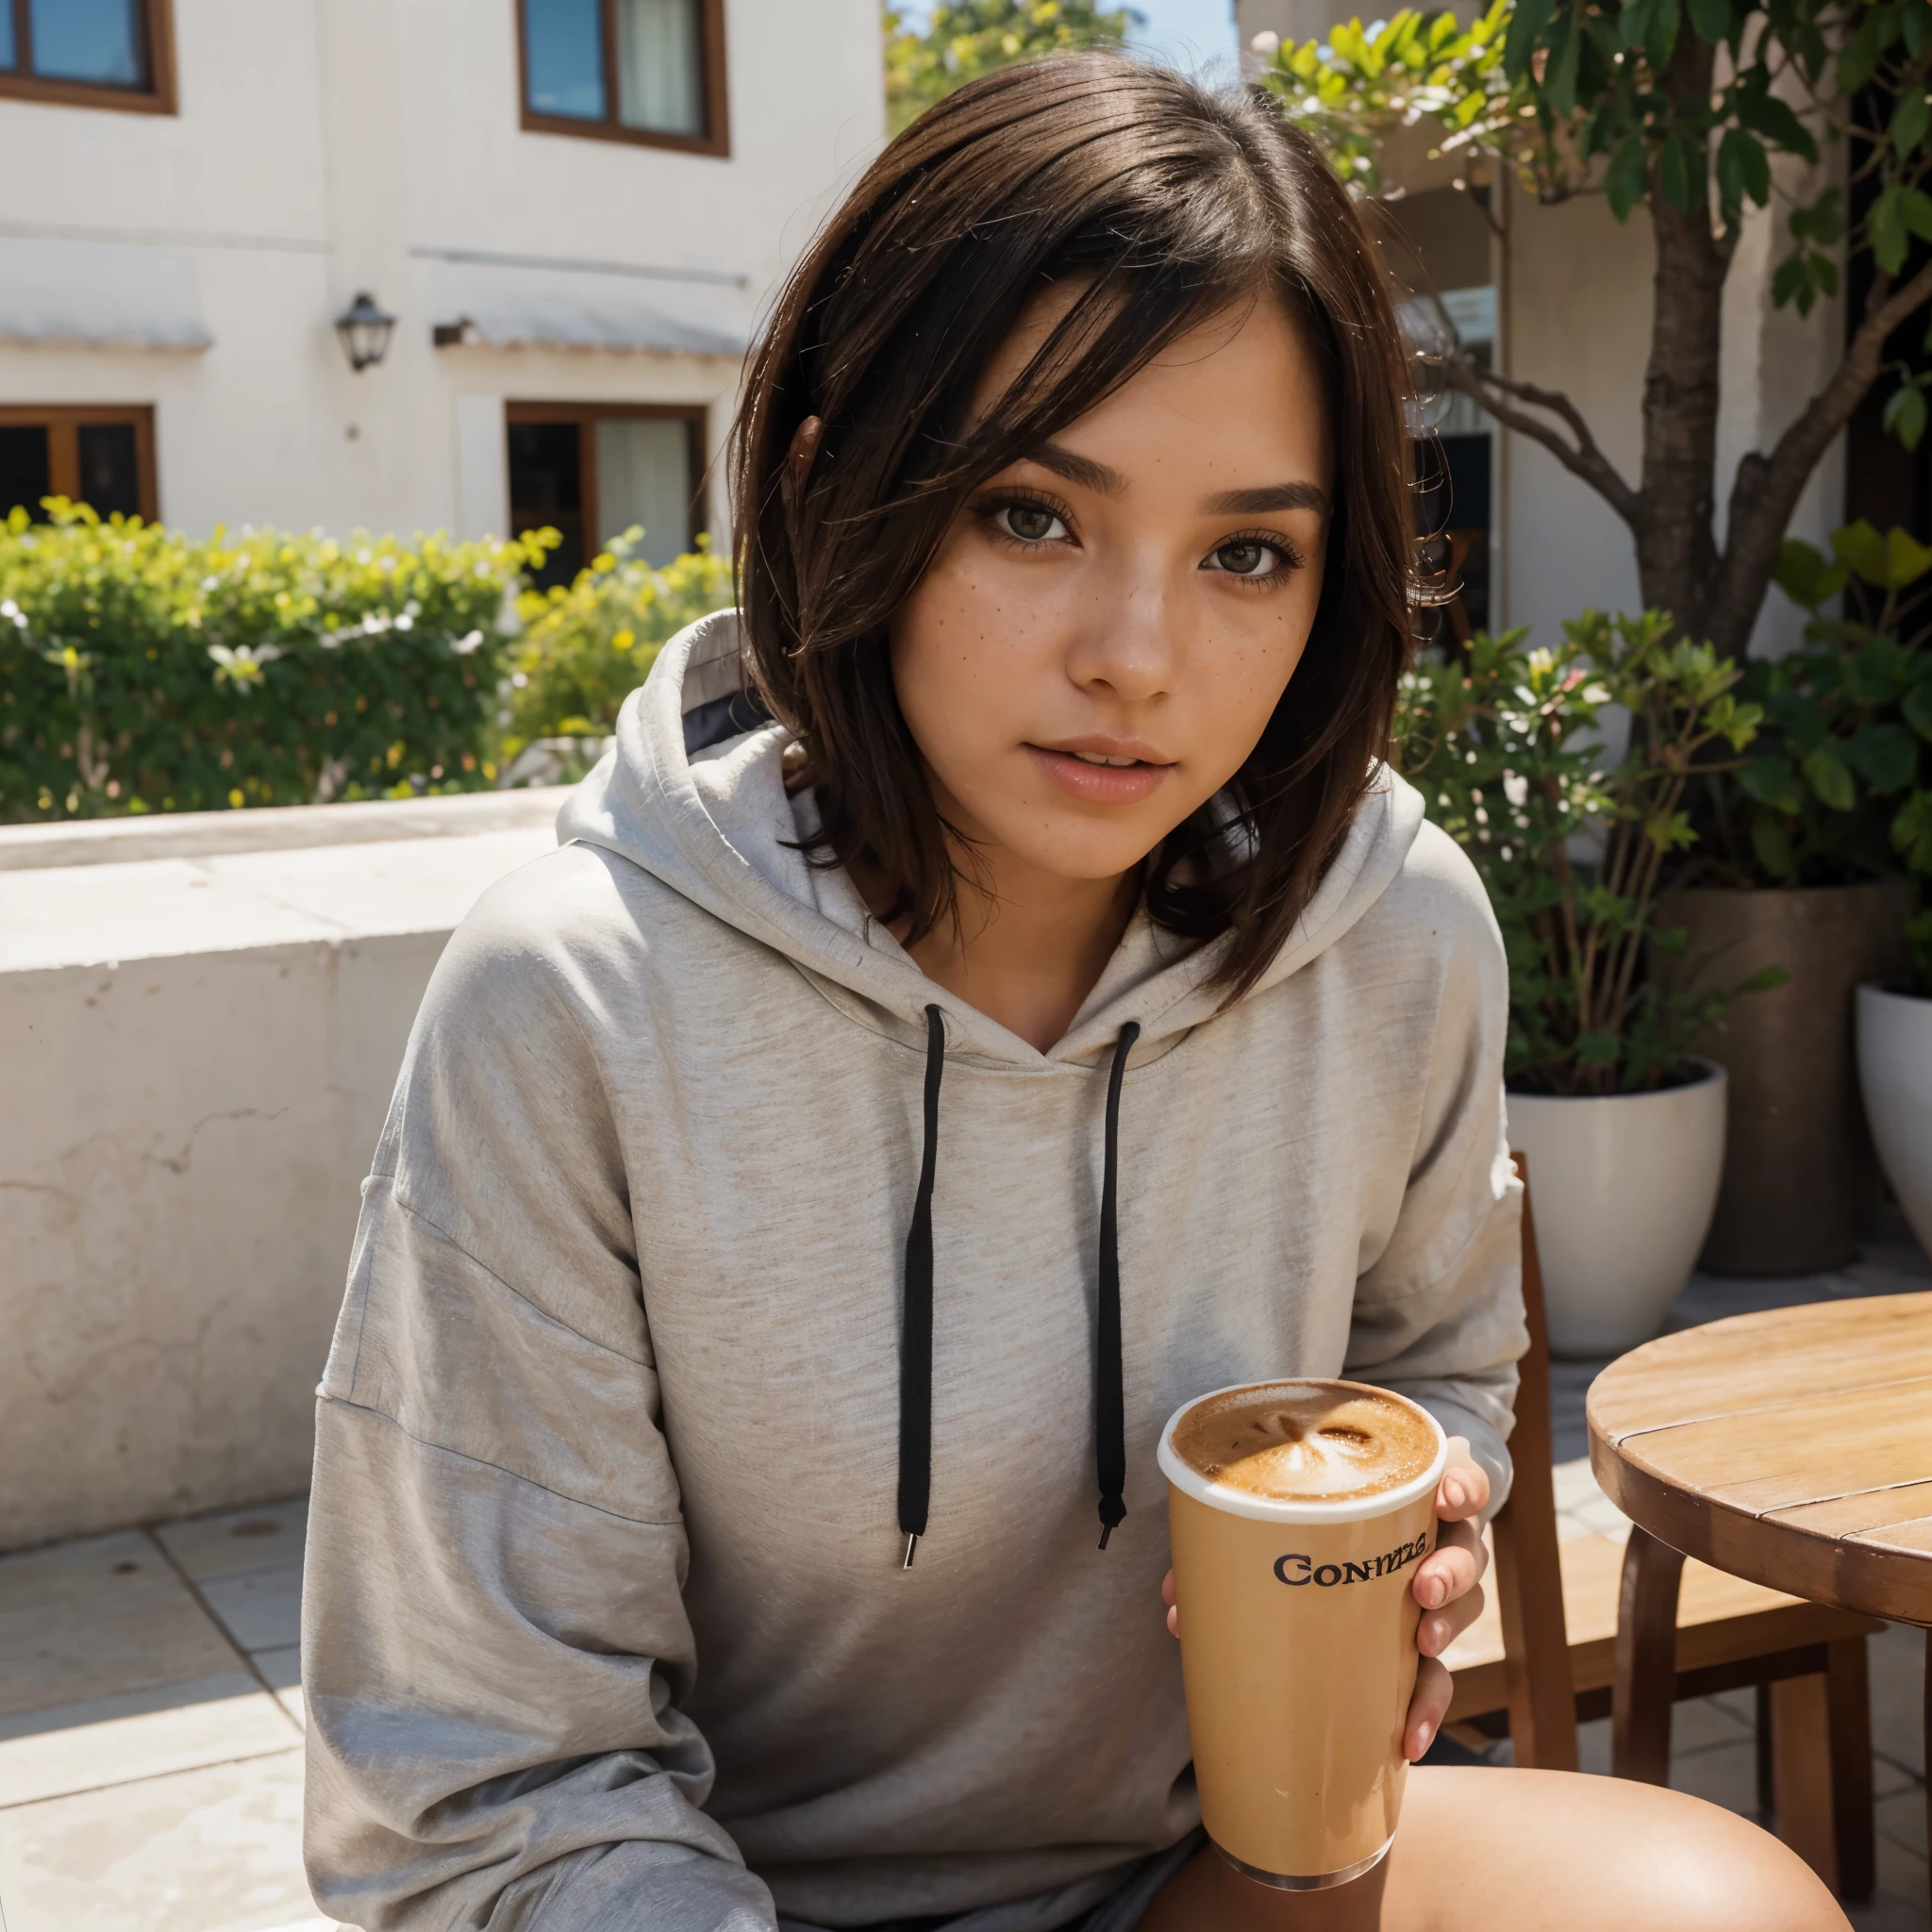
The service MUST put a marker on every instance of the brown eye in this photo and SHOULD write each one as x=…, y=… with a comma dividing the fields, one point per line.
x=1246, y=557
x=1032, y=523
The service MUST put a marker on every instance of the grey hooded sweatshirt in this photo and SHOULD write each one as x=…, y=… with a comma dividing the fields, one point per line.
x=605, y=1621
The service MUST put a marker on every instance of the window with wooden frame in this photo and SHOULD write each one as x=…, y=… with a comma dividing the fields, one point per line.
x=593, y=470
x=100, y=454
x=90, y=53
x=650, y=71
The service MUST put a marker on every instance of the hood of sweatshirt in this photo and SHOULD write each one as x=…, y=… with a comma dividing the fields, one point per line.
x=693, y=792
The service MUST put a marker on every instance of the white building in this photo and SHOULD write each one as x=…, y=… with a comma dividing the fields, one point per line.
x=574, y=210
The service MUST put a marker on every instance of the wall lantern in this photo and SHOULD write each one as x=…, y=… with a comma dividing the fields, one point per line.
x=364, y=331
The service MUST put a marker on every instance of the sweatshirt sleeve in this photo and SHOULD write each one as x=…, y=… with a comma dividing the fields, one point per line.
x=494, y=1641
x=1439, y=1304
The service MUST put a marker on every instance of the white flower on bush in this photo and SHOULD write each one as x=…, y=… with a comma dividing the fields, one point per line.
x=469, y=642
x=242, y=666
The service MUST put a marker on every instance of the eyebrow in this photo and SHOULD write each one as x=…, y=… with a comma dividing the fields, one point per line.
x=1275, y=496
x=1106, y=481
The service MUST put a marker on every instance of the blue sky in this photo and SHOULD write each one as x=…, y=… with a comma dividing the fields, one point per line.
x=1188, y=32
x=1191, y=33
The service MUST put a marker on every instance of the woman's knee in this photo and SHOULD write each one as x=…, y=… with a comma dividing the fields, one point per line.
x=1506, y=1851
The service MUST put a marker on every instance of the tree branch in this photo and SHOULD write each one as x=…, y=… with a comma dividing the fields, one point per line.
x=1767, y=488
x=1582, y=457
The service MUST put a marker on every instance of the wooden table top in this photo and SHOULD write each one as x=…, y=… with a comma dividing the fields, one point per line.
x=1791, y=1447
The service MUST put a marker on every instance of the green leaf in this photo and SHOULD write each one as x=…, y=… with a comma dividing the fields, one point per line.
x=1891, y=563
x=1773, y=846
x=1911, y=831
x=1772, y=782
x=1917, y=708
x=1559, y=76
x=1830, y=779
x=1904, y=414
x=1863, y=551
x=1885, y=227
x=1681, y=172
x=1792, y=282
x=1909, y=121
x=1742, y=169
x=1762, y=112
x=1597, y=1049
x=1820, y=221
x=1885, y=755
x=1527, y=26
x=1710, y=19
x=1805, y=575
x=1626, y=177
x=1661, y=42
x=1916, y=206
x=1915, y=21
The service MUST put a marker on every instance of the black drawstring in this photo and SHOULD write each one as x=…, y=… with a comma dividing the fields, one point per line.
x=915, y=1342
x=1109, y=1373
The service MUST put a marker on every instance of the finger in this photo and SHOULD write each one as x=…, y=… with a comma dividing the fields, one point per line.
x=1465, y=1486
x=1426, y=1708
x=1167, y=1590
x=1455, y=1565
x=1439, y=1629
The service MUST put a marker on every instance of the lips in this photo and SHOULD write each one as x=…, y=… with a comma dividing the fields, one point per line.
x=1103, y=771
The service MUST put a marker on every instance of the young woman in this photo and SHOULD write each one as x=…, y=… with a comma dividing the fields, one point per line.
x=993, y=994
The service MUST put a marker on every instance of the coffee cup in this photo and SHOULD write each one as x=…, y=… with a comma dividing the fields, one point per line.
x=1298, y=1511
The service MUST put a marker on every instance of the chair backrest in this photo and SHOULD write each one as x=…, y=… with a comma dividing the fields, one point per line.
x=1528, y=1573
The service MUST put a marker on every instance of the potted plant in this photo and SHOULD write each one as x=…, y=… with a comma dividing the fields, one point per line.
x=1624, y=1129
x=1855, y=788
x=1795, y=865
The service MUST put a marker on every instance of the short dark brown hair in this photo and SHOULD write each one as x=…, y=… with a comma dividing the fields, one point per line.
x=1169, y=202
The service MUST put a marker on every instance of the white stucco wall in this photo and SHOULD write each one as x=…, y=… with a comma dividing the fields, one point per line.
x=199, y=1048
x=323, y=146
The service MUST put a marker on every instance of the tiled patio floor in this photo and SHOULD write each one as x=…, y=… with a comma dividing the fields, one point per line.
x=151, y=1715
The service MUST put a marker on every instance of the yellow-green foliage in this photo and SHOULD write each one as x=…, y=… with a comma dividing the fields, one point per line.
x=963, y=39
x=143, y=669
x=586, y=648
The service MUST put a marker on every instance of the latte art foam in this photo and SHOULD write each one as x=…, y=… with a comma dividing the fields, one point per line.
x=1294, y=1442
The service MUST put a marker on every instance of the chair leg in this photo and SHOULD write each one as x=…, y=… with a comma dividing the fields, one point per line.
x=1801, y=1760
x=1854, y=1822
x=1646, y=1685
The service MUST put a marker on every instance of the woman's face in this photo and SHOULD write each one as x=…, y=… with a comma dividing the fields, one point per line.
x=1109, y=623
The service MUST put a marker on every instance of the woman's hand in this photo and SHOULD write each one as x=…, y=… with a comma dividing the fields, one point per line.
x=1447, y=1584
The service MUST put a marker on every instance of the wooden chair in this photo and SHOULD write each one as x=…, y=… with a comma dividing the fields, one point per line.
x=1545, y=1652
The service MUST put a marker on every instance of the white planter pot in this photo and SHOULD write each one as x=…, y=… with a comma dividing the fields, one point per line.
x=1895, y=1073
x=1624, y=1187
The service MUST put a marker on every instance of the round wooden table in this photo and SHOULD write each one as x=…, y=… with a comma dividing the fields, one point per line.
x=1791, y=1447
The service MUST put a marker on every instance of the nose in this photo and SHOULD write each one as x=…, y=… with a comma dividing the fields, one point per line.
x=1125, y=643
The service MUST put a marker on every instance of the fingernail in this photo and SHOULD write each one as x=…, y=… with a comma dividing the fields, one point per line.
x=1423, y=1736
x=1431, y=1593
x=1452, y=1494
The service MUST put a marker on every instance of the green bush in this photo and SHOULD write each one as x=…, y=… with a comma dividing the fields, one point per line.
x=1506, y=746
x=1842, y=786
x=142, y=670
x=585, y=648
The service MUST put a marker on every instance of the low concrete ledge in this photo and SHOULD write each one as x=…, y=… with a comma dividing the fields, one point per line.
x=279, y=828
x=199, y=1044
